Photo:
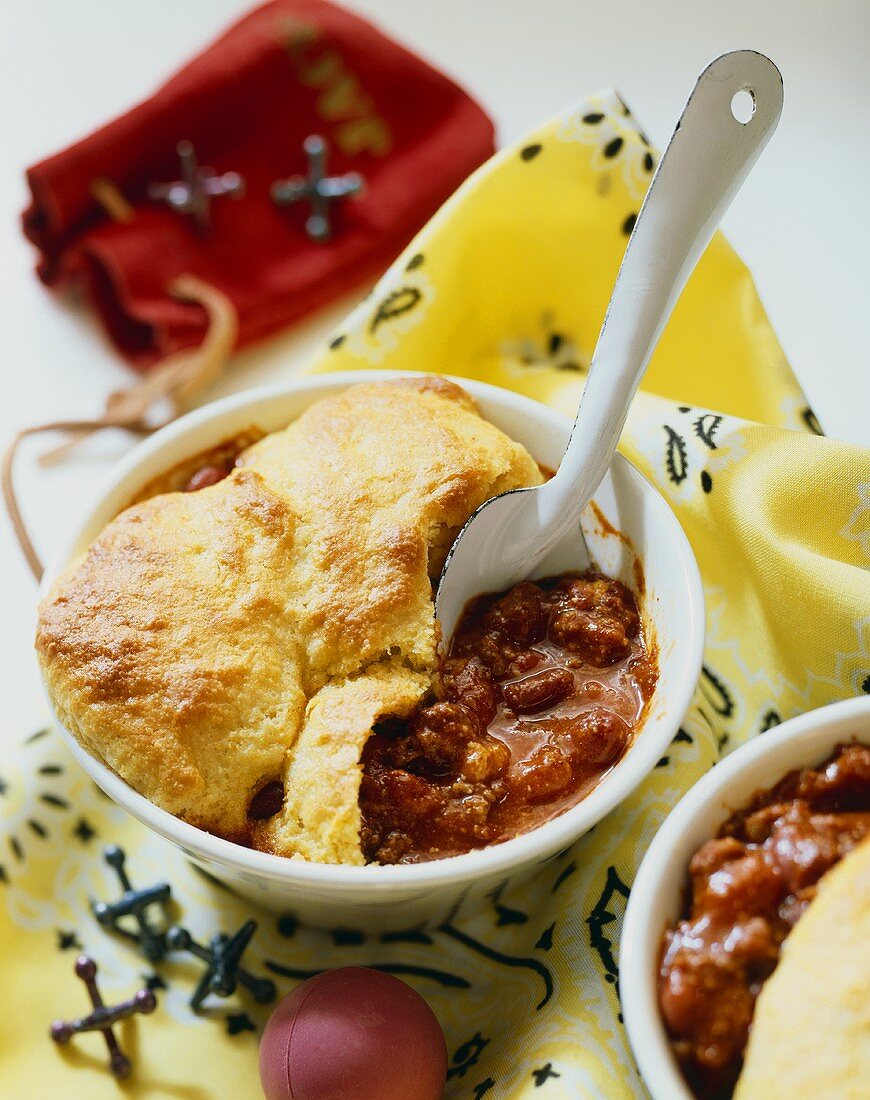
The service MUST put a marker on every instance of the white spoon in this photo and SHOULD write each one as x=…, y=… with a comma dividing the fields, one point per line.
x=536, y=532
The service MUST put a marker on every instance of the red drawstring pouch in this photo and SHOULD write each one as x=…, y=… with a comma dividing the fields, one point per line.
x=286, y=70
x=175, y=301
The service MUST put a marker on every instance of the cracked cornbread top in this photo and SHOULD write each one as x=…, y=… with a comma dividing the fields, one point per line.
x=211, y=643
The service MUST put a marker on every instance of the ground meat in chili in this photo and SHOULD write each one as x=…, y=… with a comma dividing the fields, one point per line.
x=747, y=889
x=538, y=698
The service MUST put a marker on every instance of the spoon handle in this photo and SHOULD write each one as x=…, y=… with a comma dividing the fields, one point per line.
x=703, y=167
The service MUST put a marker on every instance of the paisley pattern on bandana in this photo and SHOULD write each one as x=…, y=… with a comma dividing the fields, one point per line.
x=508, y=284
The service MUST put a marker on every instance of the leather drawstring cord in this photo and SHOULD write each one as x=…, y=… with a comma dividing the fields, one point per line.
x=176, y=382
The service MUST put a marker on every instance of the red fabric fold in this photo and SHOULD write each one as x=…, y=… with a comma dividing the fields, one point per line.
x=286, y=70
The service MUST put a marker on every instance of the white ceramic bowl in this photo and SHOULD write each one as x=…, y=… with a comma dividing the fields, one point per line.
x=657, y=894
x=404, y=896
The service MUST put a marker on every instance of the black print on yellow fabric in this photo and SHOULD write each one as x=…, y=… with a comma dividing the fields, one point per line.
x=467, y=1055
x=682, y=735
x=555, y=350
x=593, y=118
x=565, y=873
x=648, y=162
x=68, y=941
x=394, y=305
x=439, y=977
x=717, y=740
x=529, y=152
x=705, y=428
x=663, y=762
x=298, y=973
x=676, y=457
x=483, y=1088
x=336, y=342
x=628, y=224
x=506, y=915
x=415, y=262
x=601, y=917
x=347, y=937
x=684, y=408
x=84, y=831
x=716, y=693
x=612, y=148
x=542, y=1075
x=627, y=113
x=239, y=1022
x=496, y=892
x=769, y=719
x=412, y=935
x=706, y=481
x=154, y=982
x=55, y=801
x=38, y=829
x=518, y=961
x=545, y=940
x=811, y=420
x=865, y=684
x=562, y=352
x=287, y=925
x=707, y=720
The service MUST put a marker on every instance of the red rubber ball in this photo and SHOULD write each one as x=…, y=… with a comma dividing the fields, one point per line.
x=353, y=1034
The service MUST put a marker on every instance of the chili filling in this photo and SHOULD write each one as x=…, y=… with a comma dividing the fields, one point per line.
x=747, y=889
x=203, y=469
x=539, y=697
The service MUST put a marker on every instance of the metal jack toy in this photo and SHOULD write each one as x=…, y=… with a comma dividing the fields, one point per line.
x=320, y=189
x=223, y=972
x=192, y=194
x=103, y=1016
x=133, y=903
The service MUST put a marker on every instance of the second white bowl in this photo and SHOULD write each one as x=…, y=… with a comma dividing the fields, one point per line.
x=657, y=893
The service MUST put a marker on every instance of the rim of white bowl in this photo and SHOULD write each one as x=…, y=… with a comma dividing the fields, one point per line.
x=553, y=835
x=645, y=921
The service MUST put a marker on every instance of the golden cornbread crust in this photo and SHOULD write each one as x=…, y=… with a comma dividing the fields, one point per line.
x=211, y=642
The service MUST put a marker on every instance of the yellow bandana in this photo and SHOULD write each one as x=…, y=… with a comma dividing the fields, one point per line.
x=508, y=284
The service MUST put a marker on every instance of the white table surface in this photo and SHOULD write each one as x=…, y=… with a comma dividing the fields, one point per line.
x=801, y=222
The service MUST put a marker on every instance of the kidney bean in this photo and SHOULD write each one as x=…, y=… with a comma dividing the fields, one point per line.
x=267, y=801
x=540, y=690
x=544, y=774
x=205, y=476
x=598, y=736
